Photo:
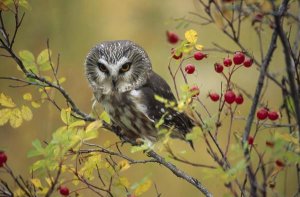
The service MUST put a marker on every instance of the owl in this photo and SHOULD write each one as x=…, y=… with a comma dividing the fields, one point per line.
x=123, y=82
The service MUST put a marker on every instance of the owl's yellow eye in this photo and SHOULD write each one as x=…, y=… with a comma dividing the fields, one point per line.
x=125, y=67
x=102, y=67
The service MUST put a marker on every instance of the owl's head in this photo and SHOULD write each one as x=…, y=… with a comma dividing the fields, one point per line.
x=117, y=66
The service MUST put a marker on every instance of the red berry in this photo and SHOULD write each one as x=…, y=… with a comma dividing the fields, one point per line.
x=248, y=62
x=238, y=58
x=195, y=91
x=64, y=191
x=258, y=17
x=189, y=69
x=279, y=163
x=250, y=140
x=177, y=57
x=199, y=55
x=273, y=115
x=218, y=68
x=214, y=96
x=172, y=37
x=239, y=99
x=270, y=144
x=262, y=114
x=229, y=96
x=3, y=158
x=227, y=62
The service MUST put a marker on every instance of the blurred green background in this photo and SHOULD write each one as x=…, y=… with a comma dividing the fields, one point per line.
x=73, y=27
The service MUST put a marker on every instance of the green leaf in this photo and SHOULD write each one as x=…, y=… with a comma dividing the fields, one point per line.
x=28, y=60
x=290, y=104
x=26, y=56
x=6, y=101
x=45, y=67
x=38, y=149
x=43, y=57
x=24, y=4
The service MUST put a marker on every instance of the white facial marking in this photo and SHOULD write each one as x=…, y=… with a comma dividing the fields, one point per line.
x=103, y=61
x=122, y=61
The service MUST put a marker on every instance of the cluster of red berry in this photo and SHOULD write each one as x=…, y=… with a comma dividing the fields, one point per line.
x=3, y=158
x=264, y=113
x=239, y=58
x=190, y=68
x=229, y=97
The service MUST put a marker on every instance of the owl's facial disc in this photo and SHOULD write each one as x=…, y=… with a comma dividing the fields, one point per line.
x=117, y=66
x=115, y=72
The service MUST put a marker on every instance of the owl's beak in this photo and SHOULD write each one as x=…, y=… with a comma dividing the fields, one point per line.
x=114, y=82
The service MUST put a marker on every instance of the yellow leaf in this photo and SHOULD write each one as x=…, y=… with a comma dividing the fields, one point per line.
x=48, y=181
x=123, y=165
x=142, y=188
x=77, y=123
x=4, y=116
x=6, y=101
x=75, y=181
x=199, y=47
x=15, y=119
x=191, y=36
x=27, y=97
x=19, y=192
x=37, y=183
x=104, y=116
x=61, y=80
x=26, y=113
x=35, y=104
x=65, y=115
x=124, y=181
x=94, y=125
x=266, y=6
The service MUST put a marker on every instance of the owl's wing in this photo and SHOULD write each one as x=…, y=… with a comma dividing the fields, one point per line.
x=156, y=85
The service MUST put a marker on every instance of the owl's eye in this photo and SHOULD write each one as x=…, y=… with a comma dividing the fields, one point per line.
x=102, y=67
x=125, y=67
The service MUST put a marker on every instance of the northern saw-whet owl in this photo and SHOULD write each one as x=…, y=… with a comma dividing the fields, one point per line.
x=123, y=82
